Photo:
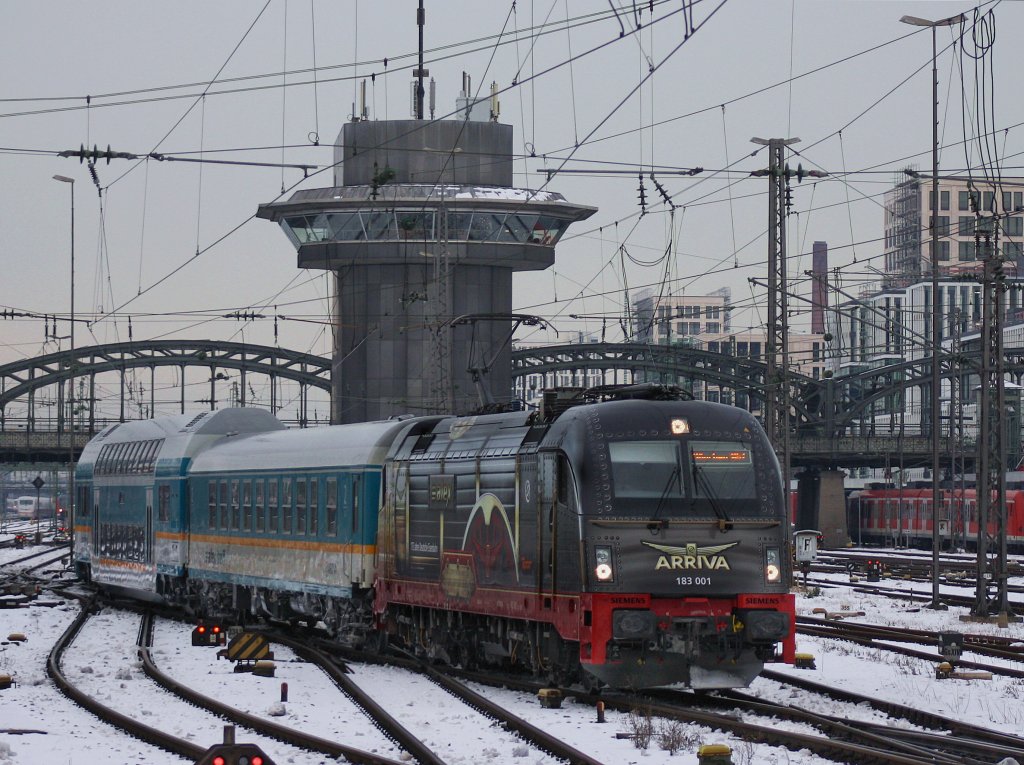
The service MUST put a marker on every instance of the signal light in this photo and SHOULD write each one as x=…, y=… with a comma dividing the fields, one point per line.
x=208, y=635
x=234, y=754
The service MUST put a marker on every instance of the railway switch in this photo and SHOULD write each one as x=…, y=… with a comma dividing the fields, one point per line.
x=208, y=634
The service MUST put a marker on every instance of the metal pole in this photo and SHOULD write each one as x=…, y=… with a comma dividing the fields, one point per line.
x=70, y=520
x=936, y=327
x=420, y=20
x=936, y=387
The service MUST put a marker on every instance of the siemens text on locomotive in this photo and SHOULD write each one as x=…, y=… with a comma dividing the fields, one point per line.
x=632, y=543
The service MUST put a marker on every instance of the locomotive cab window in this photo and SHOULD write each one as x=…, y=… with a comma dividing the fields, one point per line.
x=722, y=470
x=646, y=469
x=684, y=478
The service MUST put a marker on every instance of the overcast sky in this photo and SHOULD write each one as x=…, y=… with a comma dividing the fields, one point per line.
x=175, y=244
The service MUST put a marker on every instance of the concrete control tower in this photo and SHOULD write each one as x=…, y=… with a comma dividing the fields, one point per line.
x=423, y=229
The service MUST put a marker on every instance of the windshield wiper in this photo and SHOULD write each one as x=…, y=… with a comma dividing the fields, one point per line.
x=724, y=521
x=674, y=477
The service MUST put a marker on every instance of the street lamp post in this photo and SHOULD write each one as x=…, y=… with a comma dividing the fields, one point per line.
x=70, y=520
x=936, y=318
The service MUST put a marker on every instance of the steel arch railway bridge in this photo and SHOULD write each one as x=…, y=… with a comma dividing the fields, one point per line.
x=833, y=421
x=22, y=385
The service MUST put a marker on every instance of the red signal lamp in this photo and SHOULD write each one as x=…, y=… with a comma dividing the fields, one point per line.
x=208, y=635
x=234, y=754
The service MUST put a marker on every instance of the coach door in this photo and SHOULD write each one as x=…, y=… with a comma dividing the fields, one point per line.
x=96, y=513
x=148, y=552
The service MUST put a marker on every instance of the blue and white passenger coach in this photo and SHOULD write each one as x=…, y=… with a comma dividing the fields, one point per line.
x=132, y=514
x=229, y=511
x=284, y=523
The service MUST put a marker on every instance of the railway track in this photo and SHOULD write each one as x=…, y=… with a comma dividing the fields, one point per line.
x=181, y=744
x=880, y=637
x=530, y=733
x=911, y=715
x=833, y=738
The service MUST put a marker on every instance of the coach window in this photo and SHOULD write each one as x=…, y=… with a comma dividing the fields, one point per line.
x=247, y=505
x=332, y=507
x=355, y=505
x=272, y=506
x=164, y=503
x=300, y=506
x=260, y=519
x=212, y=499
x=224, y=504
x=286, y=506
x=314, y=506
x=236, y=514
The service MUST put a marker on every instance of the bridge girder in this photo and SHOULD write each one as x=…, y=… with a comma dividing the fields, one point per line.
x=18, y=379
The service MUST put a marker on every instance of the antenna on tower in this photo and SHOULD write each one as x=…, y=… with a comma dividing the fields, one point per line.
x=433, y=97
x=495, y=103
x=419, y=72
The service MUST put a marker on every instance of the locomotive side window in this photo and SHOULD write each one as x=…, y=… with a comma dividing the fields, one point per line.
x=562, y=480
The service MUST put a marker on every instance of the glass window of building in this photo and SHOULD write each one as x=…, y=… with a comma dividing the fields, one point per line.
x=347, y=227
x=518, y=228
x=380, y=225
x=415, y=225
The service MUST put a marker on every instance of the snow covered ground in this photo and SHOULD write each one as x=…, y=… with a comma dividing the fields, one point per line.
x=103, y=660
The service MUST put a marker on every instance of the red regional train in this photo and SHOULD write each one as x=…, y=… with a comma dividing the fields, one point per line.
x=903, y=517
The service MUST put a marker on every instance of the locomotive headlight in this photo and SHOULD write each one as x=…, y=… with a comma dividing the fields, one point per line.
x=603, y=558
x=772, y=564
